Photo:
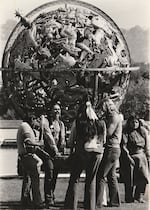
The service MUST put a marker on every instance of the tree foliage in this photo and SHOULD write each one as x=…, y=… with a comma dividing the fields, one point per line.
x=137, y=99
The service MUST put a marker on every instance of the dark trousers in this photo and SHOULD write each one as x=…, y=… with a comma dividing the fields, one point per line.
x=51, y=172
x=140, y=190
x=31, y=181
x=107, y=169
x=128, y=181
x=133, y=190
x=90, y=162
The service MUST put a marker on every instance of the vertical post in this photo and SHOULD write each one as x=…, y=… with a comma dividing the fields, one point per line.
x=95, y=91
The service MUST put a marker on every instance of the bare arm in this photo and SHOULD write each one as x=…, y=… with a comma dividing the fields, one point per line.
x=63, y=142
x=112, y=125
x=105, y=133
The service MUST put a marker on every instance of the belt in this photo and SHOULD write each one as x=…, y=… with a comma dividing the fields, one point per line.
x=25, y=155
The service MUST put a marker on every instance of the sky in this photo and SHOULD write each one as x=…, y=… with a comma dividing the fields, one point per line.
x=125, y=13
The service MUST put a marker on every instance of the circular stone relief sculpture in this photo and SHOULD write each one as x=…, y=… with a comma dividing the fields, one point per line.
x=53, y=55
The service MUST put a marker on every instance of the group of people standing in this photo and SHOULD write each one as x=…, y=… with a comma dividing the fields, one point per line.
x=97, y=150
x=96, y=145
x=37, y=148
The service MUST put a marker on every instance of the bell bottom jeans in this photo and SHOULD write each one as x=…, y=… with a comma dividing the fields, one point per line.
x=88, y=161
x=107, y=172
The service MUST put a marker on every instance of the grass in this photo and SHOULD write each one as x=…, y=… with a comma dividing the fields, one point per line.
x=10, y=190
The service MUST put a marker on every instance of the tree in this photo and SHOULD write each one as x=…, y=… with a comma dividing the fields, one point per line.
x=137, y=99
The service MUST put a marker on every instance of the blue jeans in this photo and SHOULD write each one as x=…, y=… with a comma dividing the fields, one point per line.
x=107, y=169
x=90, y=162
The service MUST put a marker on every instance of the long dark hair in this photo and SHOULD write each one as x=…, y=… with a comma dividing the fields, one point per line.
x=131, y=119
x=87, y=128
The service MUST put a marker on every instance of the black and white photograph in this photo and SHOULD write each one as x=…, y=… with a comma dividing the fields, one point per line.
x=74, y=104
